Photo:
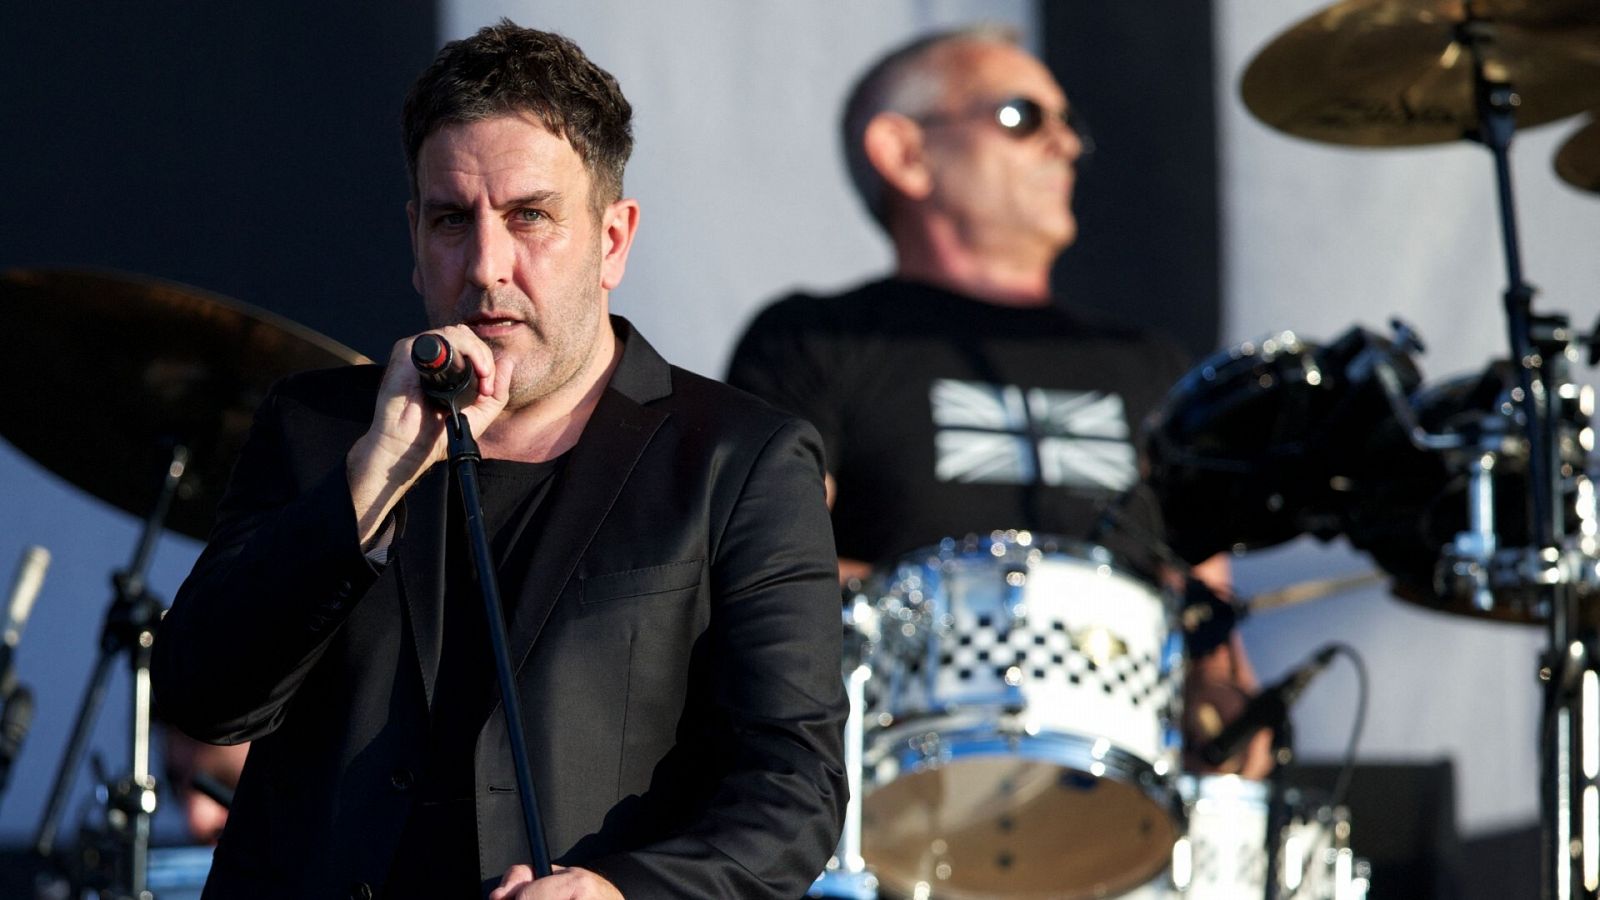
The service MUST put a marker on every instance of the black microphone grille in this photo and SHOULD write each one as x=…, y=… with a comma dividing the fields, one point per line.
x=430, y=353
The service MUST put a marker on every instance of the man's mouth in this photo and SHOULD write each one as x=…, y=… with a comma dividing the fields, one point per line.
x=488, y=325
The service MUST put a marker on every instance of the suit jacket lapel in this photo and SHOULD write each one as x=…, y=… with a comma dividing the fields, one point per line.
x=421, y=569
x=599, y=465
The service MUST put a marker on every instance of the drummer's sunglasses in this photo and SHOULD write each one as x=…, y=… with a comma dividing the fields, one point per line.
x=1020, y=117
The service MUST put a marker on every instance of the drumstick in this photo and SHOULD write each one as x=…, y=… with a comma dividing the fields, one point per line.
x=1305, y=591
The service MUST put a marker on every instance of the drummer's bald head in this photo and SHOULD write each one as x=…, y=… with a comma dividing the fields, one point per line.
x=506, y=69
x=909, y=80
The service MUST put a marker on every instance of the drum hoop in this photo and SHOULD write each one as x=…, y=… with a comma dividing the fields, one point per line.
x=837, y=884
x=1223, y=788
x=1050, y=545
x=1069, y=751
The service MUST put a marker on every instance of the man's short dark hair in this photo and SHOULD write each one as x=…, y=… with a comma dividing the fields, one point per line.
x=506, y=69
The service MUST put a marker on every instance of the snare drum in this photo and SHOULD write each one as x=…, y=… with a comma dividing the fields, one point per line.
x=1021, y=726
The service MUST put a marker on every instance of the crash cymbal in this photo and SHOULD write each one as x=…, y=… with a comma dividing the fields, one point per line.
x=119, y=367
x=1578, y=160
x=1396, y=72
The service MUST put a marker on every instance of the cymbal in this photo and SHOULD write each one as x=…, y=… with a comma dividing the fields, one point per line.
x=1396, y=72
x=1578, y=160
x=119, y=367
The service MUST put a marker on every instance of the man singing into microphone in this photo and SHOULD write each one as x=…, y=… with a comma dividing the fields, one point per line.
x=662, y=545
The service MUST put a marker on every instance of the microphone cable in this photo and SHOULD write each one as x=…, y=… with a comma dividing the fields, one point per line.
x=1341, y=784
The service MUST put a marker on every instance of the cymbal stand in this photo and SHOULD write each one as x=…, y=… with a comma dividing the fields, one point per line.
x=129, y=626
x=1570, y=724
x=847, y=876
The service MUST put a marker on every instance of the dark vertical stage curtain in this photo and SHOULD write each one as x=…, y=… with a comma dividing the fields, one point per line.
x=1148, y=204
x=251, y=149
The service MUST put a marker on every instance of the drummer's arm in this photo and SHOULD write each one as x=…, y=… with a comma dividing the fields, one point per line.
x=1230, y=664
x=848, y=568
x=1227, y=663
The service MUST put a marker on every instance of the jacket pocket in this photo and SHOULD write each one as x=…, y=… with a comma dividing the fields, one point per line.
x=663, y=579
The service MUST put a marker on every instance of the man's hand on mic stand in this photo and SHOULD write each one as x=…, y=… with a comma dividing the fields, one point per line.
x=407, y=435
x=561, y=884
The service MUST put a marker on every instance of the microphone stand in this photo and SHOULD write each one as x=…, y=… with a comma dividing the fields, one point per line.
x=130, y=626
x=464, y=458
x=1277, y=794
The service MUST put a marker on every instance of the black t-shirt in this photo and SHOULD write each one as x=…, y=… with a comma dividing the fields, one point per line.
x=944, y=416
x=438, y=853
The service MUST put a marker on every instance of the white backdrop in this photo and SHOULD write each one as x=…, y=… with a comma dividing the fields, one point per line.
x=736, y=164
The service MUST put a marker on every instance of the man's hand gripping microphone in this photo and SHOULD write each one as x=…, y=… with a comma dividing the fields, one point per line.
x=445, y=374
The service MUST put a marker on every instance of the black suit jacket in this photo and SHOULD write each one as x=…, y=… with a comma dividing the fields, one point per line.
x=677, y=647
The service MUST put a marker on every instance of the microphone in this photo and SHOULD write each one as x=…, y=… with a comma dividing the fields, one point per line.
x=444, y=373
x=24, y=590
x=1267, y=709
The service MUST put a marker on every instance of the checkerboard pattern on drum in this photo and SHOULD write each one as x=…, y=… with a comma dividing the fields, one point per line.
x=985, y=649
x=1228, y=868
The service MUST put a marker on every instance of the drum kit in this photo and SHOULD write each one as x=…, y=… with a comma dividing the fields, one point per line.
x=164, y=381
x=1016, y=727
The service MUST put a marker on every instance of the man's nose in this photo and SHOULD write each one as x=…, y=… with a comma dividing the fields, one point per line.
x=1064, y=138
x=490, y=255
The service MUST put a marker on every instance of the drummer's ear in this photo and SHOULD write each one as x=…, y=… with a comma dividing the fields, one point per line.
x=893, y=144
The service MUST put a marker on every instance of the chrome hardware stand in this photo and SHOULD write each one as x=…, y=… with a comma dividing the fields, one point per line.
x=129, y=626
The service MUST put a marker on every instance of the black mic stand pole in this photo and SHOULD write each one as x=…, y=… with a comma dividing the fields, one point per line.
x=1277, y=792
x=464, y=457
x=130, y=625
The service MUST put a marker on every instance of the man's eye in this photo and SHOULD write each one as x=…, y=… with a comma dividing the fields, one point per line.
x=452, y=220
x=530, y=215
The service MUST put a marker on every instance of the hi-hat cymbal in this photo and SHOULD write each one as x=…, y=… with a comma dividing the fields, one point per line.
x=120, y=367
x=1396, y=72
x=1578, y=160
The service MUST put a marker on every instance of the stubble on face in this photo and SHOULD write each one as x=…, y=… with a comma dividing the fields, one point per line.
x=563, y=340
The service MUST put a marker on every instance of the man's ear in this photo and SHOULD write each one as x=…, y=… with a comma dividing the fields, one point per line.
x=894, y=147
x=618, y=224
x=416, y=271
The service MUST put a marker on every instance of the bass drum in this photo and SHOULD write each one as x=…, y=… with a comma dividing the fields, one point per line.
x=1020, y=723
x=1254, y=446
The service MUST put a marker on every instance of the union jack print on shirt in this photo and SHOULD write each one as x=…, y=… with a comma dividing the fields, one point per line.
x=982, y=433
